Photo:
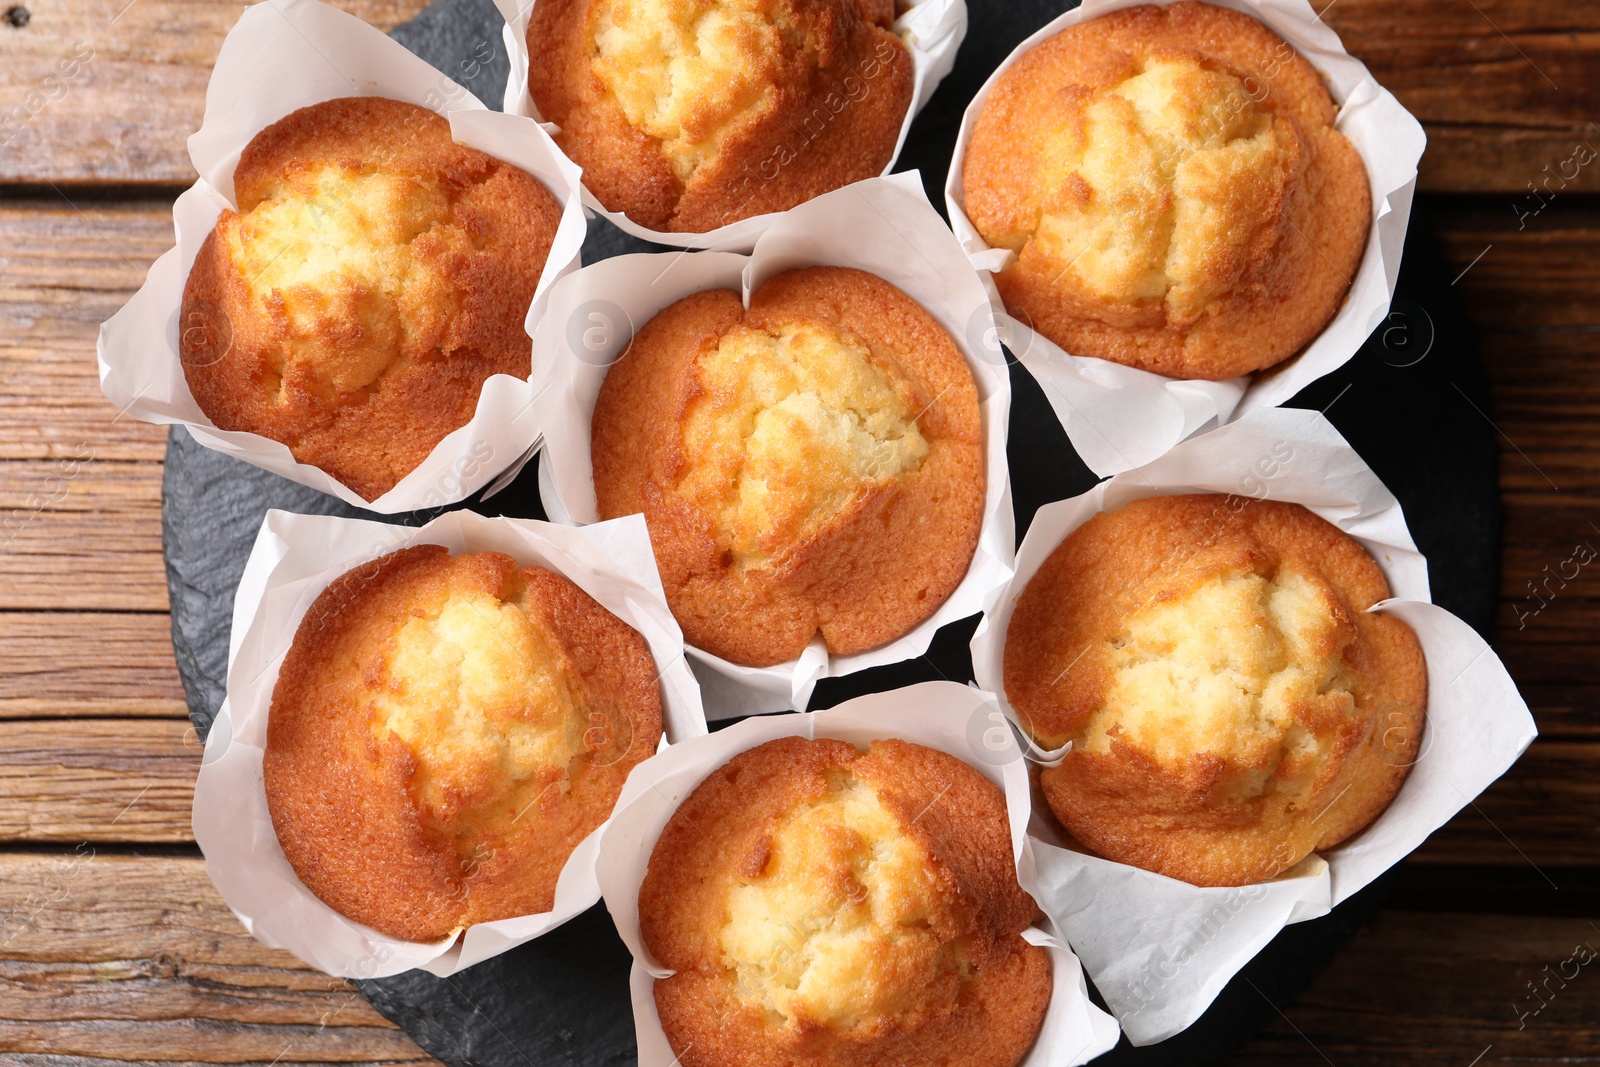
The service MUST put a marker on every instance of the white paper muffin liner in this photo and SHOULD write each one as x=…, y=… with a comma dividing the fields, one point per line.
x=1158, y=949
x=952, y=718
x=1119, y=417
x=295, y=557
x=281, y=56
x=884, y=226
x=932, y=31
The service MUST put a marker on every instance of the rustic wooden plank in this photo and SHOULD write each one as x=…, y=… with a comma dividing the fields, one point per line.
x=1546, y=632
x=1549, y=598
x=108, y=90
x=1541, y=277
x=1536, y=322
x=1545, y=408
x=102, y=707
x=1505, y=88
x=1416, y=989
x=117, y=958
x=126, y=779
x=1527, y=569
x=81, y=535
x=1544, y=813
x=1463, y=71
x=79, y=493
x=51, y=1060
x=1402, y=22
x=205, y=1041
x=1562, y=709
x=1498, y=108
x=77, y=780
x=64, y=270
x=1560, y=619
x=87, y=656
x=1483, y=158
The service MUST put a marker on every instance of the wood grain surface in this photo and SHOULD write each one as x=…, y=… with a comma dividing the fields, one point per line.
x=135, y=957
x=1504, y=87
x=1446, y=989
x=114, y=947
x=109, y=90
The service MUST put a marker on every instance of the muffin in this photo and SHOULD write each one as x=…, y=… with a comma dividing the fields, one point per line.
x=1231, y=702
x=687, y=115
x=1174, y=190
x=811, y=465
x=826, y=906
x=444, y=732
x=375, y=274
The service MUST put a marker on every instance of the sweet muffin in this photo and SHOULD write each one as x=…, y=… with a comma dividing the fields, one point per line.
x=375, y=274
x=826, y=906
x=811, y=465
x=1174, y=189
x=687, y=115
x=1231, y=703
x=444, y=732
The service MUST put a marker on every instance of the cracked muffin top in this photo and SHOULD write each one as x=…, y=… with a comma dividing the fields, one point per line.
x=1231, y=702
x=444, y=731
x=825, y=905
x=1174, y=189
x=375, y=274
x=811, y=465
x=686, y=115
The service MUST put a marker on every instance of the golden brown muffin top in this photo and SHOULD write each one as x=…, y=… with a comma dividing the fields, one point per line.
x=792, y=424
x=813, y=464
x=444, y=732
x=691, y=114
x=375, y=274
x=1231, y=703
x=1166, y=177
x=690, y=74
x=826, y=905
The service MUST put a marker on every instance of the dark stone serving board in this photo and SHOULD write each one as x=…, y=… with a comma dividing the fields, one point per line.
x=1406, y=402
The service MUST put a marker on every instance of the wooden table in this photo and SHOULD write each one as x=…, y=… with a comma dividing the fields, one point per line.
x=115, y=947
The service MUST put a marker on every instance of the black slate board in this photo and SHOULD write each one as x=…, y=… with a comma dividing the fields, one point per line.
x=1405, y=402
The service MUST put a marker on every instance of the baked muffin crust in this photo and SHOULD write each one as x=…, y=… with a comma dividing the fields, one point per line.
x=813, y=464
x=687, y=115
x=1175, y=191
x=1232, y=704
x=822, y=905
x=444, y=731
x=375, y=275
